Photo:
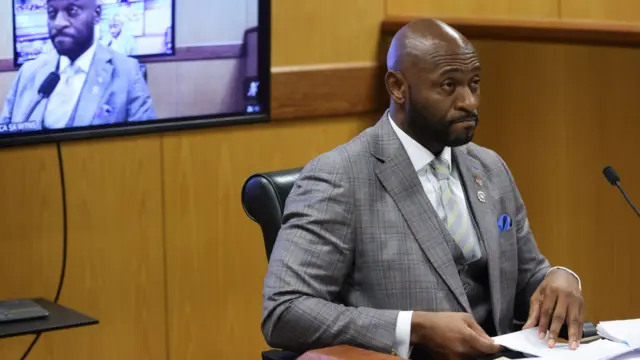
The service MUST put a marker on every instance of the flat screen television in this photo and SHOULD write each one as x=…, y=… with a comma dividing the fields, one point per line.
x=97, y=68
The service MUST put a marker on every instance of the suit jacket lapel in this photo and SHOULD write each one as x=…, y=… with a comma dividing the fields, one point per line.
x=94, y=88
x=399, y=178
x=474, y=180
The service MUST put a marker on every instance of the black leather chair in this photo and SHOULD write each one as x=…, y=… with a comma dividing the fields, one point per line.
x=263, y=197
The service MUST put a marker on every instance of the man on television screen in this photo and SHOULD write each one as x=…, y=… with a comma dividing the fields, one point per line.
x=97, y=85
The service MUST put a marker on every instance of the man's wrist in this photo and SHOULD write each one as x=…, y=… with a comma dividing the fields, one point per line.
x=419, y=320
x=569, y=271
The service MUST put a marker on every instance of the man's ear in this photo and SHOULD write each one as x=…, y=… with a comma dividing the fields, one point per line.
x=396, y=86
x=98, y=14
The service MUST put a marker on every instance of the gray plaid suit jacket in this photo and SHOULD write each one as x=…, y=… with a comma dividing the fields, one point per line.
x=360, y=241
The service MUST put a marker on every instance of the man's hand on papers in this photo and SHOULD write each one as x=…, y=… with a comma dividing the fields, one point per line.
x=451, y=336
x=557, y=299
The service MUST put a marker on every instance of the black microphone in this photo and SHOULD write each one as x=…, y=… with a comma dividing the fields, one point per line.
x=44, y=91
x=613, y=178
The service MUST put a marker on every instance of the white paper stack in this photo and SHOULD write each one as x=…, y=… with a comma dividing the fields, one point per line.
x=622, y=331
x=527, y=342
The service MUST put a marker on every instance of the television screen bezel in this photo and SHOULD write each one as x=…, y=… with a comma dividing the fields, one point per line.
x=165, y=124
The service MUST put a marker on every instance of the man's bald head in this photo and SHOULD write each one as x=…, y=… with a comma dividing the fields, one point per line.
x=433, y=80
x=422, y=39
x=71, y=25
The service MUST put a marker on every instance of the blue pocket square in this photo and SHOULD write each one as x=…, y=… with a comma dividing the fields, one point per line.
x=504, y=223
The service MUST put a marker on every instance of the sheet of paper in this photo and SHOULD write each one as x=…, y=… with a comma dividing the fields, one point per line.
x=634, y=355
x=527, y=341
x=621, y=330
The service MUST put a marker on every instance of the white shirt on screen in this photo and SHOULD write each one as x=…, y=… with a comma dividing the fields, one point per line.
x=420, y=158
x=65, y=96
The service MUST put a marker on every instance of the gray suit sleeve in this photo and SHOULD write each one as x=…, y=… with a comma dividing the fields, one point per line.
x=312, y=258
x=532, y=265
x=7, y=109
x=139, y=103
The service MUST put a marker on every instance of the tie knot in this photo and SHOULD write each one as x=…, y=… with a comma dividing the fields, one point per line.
x=440, y=168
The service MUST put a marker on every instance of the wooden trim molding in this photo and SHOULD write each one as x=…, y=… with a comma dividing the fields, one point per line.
x=557, y=31
x=325, y=90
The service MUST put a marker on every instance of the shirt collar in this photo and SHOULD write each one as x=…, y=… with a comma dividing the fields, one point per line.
x=419, y=155
x=83, y=62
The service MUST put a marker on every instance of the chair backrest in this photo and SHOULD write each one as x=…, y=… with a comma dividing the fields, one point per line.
x=263, y=199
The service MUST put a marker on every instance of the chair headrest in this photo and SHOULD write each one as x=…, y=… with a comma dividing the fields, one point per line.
x=263, y=199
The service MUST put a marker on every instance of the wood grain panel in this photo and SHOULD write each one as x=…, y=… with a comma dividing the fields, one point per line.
x=523, y=9
x=326, y=90
x=554, y=31
x=601, y=10
x=115, y=256
x=31, y=223
x=558, y=115
x=323, y=32
x=215, y=254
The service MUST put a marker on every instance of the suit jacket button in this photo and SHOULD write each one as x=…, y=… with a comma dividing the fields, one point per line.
x=466, y=288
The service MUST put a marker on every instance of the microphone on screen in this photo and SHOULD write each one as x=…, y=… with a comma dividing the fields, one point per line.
x=614, y=179
x=44, y=91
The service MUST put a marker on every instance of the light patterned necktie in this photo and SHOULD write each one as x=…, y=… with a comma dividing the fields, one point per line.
x=63, y=99
x=457, y=221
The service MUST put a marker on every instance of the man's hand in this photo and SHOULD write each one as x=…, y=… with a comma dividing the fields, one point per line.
x=557, y=299
x=450, y=336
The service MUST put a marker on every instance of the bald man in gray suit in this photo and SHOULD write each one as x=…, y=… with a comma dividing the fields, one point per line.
x=410, y=239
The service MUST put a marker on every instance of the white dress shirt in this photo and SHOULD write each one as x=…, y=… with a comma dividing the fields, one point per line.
x=420, y=158
x=65, y=96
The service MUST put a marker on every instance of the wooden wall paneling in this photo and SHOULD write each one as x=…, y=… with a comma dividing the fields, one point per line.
x=602, y=130
x=31, y=236
x=115, y=256
x=325, y=90
x=329, y=31
x=522, y=9
x=550, y=31
x=215, y=254
x=601, y=10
